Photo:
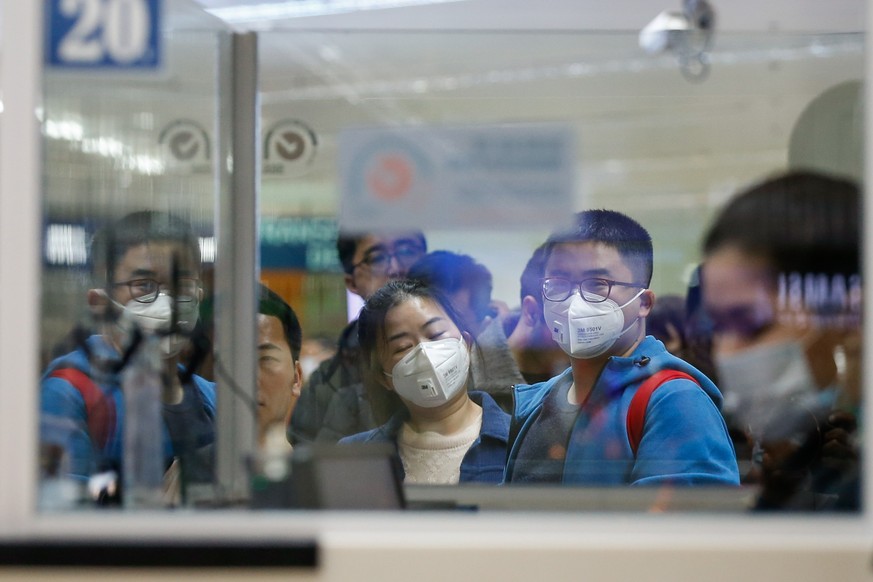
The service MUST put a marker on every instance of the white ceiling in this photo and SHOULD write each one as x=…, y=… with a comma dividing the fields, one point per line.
x=650, y=143
x=590, y=15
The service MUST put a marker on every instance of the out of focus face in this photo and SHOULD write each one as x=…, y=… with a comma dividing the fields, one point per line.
x=279, y=375
x=740, y=298
x=379, y=259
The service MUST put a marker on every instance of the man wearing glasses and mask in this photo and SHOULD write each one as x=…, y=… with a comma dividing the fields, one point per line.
x=146, y=273
x=334, y=402
x=603, y=421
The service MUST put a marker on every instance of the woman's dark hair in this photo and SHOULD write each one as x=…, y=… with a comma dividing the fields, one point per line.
x=371, y=328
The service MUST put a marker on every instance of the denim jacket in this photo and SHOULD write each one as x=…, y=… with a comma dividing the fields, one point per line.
x=484, y=461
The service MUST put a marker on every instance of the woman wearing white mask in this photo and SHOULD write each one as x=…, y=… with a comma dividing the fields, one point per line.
x=419, y=363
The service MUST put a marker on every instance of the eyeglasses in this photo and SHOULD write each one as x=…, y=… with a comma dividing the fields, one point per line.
x=594, y=290
x=147, y=290
x=379, y=260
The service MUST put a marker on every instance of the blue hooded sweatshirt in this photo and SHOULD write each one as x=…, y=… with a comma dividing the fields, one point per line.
x=64, y=415
x=684, y=442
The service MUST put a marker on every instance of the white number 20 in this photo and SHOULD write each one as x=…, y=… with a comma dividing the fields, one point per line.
x=118, y=29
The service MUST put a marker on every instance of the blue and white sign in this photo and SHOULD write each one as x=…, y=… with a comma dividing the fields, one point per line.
x=103, y=34
x=479, y=177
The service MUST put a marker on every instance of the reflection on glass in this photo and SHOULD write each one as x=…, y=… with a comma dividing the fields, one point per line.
x=475, y=148
x=392, y=139
x=126, y=415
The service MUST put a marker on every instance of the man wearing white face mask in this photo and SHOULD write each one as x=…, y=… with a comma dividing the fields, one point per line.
x=782, y=291
x=626, y=411
x=146, y=270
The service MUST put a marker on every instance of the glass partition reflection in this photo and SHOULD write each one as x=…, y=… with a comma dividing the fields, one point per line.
x=129, y=243
x=439, y=178
x=451, y=158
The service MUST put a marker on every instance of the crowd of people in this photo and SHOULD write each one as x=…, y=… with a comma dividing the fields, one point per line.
x=752, y=379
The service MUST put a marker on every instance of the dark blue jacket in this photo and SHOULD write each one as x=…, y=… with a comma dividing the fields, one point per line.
x=684, y=440
x=485, y=459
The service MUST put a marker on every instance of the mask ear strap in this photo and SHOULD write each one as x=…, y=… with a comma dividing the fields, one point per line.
x=627, y=329
x=632, y=299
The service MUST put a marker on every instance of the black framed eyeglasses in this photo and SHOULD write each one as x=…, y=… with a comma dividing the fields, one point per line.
x=379, y=260
x=147, y=290
x=593, y=290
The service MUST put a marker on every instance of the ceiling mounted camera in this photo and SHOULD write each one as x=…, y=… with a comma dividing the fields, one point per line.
x=688, y=34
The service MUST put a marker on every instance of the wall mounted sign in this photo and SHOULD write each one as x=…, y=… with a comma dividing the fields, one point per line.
x=186, y=147
x=103, y=34
x=289, y=148
x=477, y=176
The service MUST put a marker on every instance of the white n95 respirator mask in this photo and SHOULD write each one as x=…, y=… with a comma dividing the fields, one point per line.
x=157, y=317
x=432, y=373
x=586, y=330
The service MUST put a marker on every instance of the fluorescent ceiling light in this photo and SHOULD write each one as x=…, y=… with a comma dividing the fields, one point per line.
x=301, y=8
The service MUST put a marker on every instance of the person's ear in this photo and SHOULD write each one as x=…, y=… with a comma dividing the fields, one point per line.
x=531, y=313
x=647, y=301
x=468, y=339
x=385, y=380
x=297, y=385
x=349, y=279
x=98, y=303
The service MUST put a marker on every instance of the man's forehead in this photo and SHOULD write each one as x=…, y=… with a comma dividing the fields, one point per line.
x=386, y=241
x=588, y=257
x=270, y=330
x=160, y=254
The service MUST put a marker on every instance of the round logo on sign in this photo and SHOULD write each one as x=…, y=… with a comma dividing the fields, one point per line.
x=289, y=148
x=185, y=144
x=390, y=176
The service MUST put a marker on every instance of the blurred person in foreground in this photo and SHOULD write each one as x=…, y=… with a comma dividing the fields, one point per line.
x=145, y=269
x=782, y=291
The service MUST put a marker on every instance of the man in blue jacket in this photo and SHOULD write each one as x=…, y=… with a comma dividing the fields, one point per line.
x=146, y=269
x=573, y=429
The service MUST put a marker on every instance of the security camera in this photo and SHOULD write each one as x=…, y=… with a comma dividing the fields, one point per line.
x=663, y=32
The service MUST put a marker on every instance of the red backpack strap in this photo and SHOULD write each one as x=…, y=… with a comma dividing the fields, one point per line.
x=636, y=412
x=99, y=408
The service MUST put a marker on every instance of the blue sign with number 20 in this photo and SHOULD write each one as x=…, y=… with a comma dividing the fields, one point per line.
x=103, y=33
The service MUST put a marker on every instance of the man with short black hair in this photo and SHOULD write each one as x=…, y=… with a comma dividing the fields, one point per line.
x=146, y=269
x=578, y=427
x=279, y=373
x=334, y=403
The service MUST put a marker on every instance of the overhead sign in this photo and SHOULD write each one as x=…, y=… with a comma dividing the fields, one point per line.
x=103, y=34
x=481, y=176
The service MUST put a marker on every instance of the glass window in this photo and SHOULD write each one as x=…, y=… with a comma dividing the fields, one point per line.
x=486, y=143
x=130, y=174
x=571, y=198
